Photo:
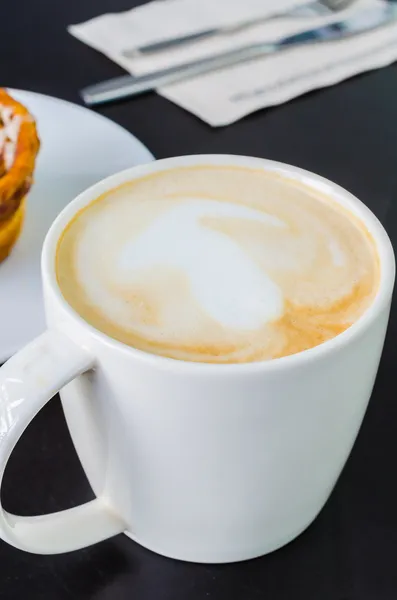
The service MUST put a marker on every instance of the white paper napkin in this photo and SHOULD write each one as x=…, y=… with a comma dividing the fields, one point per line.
x=223, y=97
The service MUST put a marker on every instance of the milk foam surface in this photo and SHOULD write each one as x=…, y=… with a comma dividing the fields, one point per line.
x=217, y=264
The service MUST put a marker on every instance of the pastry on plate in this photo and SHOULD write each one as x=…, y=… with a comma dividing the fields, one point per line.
x=19, y=145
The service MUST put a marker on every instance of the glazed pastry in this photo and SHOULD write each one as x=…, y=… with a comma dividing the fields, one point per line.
x=19, y=145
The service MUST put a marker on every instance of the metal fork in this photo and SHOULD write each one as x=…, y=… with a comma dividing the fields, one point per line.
x=127, y=85
x=315, y=8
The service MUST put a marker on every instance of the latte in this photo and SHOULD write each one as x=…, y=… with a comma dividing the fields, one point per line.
x=217, y=264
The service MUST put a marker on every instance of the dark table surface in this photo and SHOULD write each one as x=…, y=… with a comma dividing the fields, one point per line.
x=347, y=133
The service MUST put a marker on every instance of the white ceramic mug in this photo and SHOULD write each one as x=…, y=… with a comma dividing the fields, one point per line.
x=201, y=462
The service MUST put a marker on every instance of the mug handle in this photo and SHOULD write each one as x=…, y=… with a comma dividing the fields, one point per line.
x=27, y=382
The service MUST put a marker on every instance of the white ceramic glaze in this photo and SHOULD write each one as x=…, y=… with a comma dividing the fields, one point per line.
x=201, y=462
x=78, y=148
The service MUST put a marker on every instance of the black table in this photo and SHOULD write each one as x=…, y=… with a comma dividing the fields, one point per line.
x=347, y=133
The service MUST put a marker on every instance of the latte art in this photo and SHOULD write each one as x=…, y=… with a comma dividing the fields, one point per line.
x=217, y=264
x=225, y=283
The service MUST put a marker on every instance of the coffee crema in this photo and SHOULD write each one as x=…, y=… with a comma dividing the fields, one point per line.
x=217, y=264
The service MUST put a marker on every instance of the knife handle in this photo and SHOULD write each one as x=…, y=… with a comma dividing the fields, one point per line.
x=128, y=85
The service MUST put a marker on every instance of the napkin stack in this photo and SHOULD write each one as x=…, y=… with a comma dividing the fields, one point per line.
x=223, y=97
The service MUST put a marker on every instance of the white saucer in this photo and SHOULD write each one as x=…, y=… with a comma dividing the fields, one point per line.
x=79, y=147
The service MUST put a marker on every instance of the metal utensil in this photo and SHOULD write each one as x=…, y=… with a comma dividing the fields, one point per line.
x=128, y=85
x=314, y=8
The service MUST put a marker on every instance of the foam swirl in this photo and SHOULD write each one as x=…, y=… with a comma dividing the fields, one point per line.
x=217, y=264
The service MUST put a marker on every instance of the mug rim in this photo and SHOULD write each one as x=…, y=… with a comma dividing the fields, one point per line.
x=337, y=193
